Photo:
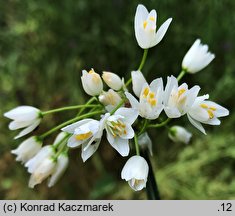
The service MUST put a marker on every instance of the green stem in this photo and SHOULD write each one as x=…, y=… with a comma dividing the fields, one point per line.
x=117, y=107
x=69, y=122
x=61, y=150
x=182, y=73
x=143, y=60
x=136, y=145
x=68, y=108
x=146, y=121
x=160, y=124
x=87, y=103
x=61, y=141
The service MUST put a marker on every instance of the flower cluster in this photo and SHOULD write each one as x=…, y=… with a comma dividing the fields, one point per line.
x=123, y=115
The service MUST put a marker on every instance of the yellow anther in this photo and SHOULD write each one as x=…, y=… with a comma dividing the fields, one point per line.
x=151, y=95
x=145, y=24
x=91, y=71
x=152, y=101
x=212, y=108
x=145, y=92
x=83, y=136
x=152, y=18
x=210, y=113
x=124, y=132
x=180, y=92
x=205, y=106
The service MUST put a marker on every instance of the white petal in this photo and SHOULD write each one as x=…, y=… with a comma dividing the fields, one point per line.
x=121, y=145
x=129, y=114
x=89, y=149
x=196, y=124
x=70, y=128
x=138, y=81
x=134, y=103
x=162, y=30
x=61, y=165
x=23, y=113
x=28, y=129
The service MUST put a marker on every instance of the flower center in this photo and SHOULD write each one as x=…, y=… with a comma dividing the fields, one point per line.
x=95, y=77
x=117, y=128
x=150, y=96
x=84, y=136
x=145, y=24
x=210, y=110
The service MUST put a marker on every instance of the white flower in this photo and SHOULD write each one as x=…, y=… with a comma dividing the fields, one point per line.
x=46, y=152
x=138, y=81
x=144, y=142
x=91, y=82
x=145, y=27
x=27, y=117
x=206, y=112
x=44, y=170
x=179, y=134
x=178, y=100
x=197, y=58
x=27, y=149
x=151, y=97
x=135, y=172
x=61, y=136
x=112, y=80
x=88, y=133
x=119, y=130
x=61, y=165
x=110, y=99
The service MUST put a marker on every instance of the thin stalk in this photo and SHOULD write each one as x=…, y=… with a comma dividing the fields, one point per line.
x=87, y=103
x=144, y=127
x=143, y=60
x=118, y=106
x=136, y=145
x=182, y=73
x=56, y=145
x=159, y=125
x=68, y=108
x=69, y=122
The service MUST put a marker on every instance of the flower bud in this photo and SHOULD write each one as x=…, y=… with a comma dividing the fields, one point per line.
x=34, y=163
x=110, y=99
x=179, y=134
x=135, y=172
x=61, y=165
x=145, y=142
x=91, y=82
x=59, y=138
x=27, y=149
x=45, y=169
x=27, y=117
x=197, y=58
x=112, y=80
x=138, y=81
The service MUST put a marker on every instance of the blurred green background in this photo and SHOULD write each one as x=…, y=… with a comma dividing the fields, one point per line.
x=45, y=44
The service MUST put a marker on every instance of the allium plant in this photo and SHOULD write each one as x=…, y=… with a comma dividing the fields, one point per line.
x=123, y=113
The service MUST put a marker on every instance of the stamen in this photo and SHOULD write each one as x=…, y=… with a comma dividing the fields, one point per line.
x=205, y=106
x=83, y=136
x=210, y=113
x=145, y=92
x=152, y=101
x=180, y=92
x=145, y=24
x=152, y=18
x=151, y=95
x=212, y=108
